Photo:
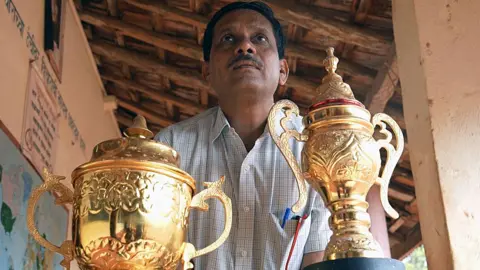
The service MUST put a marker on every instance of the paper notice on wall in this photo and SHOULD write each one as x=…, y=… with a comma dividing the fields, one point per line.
x=41, y=122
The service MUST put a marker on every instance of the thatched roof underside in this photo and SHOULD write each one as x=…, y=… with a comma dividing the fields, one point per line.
x=149, y=56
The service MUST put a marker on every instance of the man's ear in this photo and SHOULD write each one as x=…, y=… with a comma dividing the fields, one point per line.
x=284, y=70
x=206, y=71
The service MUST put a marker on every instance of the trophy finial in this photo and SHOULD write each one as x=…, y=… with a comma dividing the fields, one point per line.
x=139, y=128
x=332, y=87
x=331, y=61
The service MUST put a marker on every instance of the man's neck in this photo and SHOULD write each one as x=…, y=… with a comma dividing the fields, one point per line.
x=248, y=120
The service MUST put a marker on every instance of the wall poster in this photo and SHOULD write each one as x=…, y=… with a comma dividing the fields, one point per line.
x=54, y=32
x=41, y=123
x=18, y=250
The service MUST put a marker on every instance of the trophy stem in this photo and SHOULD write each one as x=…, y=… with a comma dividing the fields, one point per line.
x=351, y=236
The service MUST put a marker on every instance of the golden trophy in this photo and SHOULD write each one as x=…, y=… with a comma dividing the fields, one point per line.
x=341, y=161
x=131, y=204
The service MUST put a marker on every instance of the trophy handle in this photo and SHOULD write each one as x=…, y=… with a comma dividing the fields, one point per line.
x=282, y=143
x=52, y=183
x=393, y=155
x=214, y=190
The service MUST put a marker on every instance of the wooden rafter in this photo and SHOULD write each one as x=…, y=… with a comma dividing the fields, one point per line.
x=144, y=62
x=411, y=241
x=155, y=94
x=194, y=51
x=397, y=224
x=155, y=118
x=159, y=40
x=400, y=195
x=112, y=7
x=384, y=84
x=307, y=17
x=292, y=49
x=359, y=10
x=122, y=119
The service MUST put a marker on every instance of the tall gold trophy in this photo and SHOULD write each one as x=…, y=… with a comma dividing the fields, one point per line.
x=341, y=161
x=131, y=204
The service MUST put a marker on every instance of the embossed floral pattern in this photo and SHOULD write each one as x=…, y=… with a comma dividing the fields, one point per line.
x=342, y=154
x=131, y=191
x=354, y=243
x=108, y=253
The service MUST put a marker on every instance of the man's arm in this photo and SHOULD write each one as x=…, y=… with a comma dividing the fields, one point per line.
x=311, y=258
x=379, y=222
x=319, y=233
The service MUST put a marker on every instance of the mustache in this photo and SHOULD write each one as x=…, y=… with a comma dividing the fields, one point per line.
x=246, y=57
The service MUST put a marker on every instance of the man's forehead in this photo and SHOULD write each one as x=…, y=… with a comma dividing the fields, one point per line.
x=249, y=19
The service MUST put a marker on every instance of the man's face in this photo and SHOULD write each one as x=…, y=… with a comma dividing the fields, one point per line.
x=244, y=58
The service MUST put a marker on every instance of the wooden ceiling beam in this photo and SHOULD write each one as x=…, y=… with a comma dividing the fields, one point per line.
x=359, y=11
x=156, y=39
x=301, y=84
x=159, y=96
x=397, y=224
x=122, y=119
x=400, y=195
x=384, y=84
x=412, y=240
x=307, y=17
x=406, y=181
x=412, y=208
x=155, y=118
x=291, y=49
x=112, y=7
x=194, y=51
x=172, y=12
x=144, y=62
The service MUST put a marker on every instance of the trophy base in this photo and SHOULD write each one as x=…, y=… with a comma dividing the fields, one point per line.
x=358, y=264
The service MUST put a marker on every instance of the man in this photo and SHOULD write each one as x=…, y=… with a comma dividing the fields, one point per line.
x=244, y=63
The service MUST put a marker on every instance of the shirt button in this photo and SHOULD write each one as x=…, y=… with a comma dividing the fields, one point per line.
x=244, y=253
x=246, y=208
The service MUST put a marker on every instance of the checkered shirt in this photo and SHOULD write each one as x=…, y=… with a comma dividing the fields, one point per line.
x=260, y=185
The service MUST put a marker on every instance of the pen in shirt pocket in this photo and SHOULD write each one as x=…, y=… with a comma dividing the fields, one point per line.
x=287, y=215
x=297, y=230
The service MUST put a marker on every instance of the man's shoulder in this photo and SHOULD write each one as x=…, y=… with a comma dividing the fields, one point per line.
x=191, y=125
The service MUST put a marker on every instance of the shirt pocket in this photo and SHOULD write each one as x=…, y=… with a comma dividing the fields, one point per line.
x=291, y=227
x=286, y=234
x=284, y=240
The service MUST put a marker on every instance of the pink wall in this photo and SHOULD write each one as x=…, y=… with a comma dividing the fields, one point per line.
x=81, y=89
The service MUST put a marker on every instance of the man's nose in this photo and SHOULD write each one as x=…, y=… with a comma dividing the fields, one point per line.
x=245, y=47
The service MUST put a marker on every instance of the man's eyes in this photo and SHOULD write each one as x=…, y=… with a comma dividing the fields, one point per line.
x=260, y=38
x=227, y=38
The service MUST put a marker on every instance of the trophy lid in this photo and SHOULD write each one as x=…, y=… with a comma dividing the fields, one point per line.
x=333, y=89
x=136, y=151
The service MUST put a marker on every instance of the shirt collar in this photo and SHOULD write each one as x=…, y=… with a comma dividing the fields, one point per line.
x=221, y=123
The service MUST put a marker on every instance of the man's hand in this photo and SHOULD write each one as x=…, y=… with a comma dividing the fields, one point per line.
x=311, y=258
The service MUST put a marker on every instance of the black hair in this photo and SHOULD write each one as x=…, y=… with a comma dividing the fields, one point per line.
x=259, y=7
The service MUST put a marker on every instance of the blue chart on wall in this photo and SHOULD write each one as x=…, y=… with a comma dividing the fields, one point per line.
x=18, y=250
